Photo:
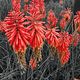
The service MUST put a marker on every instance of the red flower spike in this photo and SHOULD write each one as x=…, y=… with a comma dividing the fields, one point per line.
x=63, y=23
x=42, y=8
x=15, y=31
x=36, y=31
x=52, y=37
x=77, y=20
x=35, y=25
x=33, y=63
x=52, y=20
x=64, y=56
x=64, y=42
x=16, y=5
x=37, y=9
x=66, y=15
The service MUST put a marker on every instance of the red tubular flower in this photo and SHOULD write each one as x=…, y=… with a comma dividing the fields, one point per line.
x=36, y=31
x=35, y=28
x=66, y=40
x=63, y=23
x=66, y=15
x=64, y=56
x=77, y=17
x=52, y=20
x=37, y=8
x=42, y=7
x=77, y=20
x=16, y=5
x=15, y=31
x=25, y=0
x=1, y=27
x=52, y=37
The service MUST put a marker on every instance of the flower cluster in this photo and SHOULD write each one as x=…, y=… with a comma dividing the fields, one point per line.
x=52, y=36
x=35, y=24
x=27, y=27
x=66, y=15
x=63, y=47
x=77, y=20
x=16, y=32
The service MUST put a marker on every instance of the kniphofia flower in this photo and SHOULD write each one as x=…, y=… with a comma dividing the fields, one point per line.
x=63, y=47
x=16, y=32
x=35, y=25
x=77, y=21
x=16, y=5
x=64, y=56
x=51, y=19
x=52, y=36
x=66, y=15
x=65, y=41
